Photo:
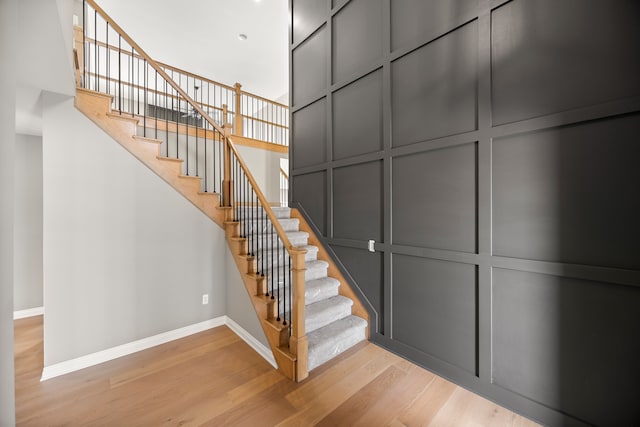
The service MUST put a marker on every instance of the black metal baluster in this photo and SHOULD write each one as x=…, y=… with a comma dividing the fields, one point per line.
x=166, y=114
x=272, y=274
x=137, y=74
x=244, y=204
x=84, y=45
x=251, y=224
x=278, y=271
x=130, y=83
x=155, y=104
x=235, y=186
x=108, y=59
x=144, y=109
x=290, y=288
x=268, y=240
x=95, y=41
x=120, y=74
x=177, y=113
x=187, y=119
x=206, y=159
x=256, y=231
x=196, y=114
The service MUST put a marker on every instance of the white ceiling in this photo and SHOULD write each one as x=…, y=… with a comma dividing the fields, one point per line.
x=201, y=36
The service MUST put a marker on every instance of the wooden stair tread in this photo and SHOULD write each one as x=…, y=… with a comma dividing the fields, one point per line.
x=189, y=177
x=169, y=159
x=147, y=139
x=94, y=93
x=119, y=116
x=275, y=324
x=286, y=353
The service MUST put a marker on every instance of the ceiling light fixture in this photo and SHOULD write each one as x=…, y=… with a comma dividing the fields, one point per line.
x=242, y=36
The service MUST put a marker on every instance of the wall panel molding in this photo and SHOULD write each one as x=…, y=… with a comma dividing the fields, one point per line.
x=507, y=149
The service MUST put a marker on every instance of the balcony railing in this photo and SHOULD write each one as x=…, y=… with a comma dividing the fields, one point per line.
x=117, y=69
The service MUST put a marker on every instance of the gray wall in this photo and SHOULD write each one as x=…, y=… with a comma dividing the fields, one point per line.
x=125, y=256
x=8, y=14
x=491, y=150
x=27, y=230
x=239, y=305
x=265, y=168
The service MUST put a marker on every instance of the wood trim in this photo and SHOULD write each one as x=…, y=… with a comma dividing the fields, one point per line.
x=97, y=107
x=237, y=126
x=155, y=92
x=265, y=204
x=333, y=271
x=283, y=172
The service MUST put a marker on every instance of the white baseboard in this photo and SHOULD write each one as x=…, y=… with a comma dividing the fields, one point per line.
x=122, y=350
x=29, y=312
x=82, y=362
x=260, y=348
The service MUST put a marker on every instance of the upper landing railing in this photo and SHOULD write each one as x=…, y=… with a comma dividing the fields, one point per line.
x=251, y=116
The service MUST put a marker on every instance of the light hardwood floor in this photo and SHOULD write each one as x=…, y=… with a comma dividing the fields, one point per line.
x=214, y=378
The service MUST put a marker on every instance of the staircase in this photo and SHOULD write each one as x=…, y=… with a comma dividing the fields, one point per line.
x=329, y=323
x=308, y=311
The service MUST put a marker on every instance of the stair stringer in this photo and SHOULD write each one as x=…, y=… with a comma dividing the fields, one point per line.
x=122, y=128
x=344, y=289
x=97, y=107
x=277, y=335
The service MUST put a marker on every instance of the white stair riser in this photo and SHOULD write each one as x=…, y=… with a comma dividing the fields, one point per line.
x=323, y=353
x=318, y=290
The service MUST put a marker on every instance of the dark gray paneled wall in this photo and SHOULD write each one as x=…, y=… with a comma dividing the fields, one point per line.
x=492, y=151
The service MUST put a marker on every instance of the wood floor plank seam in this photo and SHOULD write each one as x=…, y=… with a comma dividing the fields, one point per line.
x=214, y=378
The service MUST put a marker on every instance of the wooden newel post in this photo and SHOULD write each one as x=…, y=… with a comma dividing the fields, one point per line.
x=226, y=182
x=298, y=342
x=78, y=50
x=237, y=130
x=225, y=114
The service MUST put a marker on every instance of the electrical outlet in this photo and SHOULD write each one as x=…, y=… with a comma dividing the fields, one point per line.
x=205, y=299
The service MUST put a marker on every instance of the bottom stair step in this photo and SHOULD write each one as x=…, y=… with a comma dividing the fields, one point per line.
x=331, y=340
x=324, y=312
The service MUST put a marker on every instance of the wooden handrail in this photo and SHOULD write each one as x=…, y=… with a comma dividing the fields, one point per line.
x=298, y=343
x=159, y=92
x=235, y=89
x=154, y=64
x=263, y=200
x=193, y=75
x=282, y=171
